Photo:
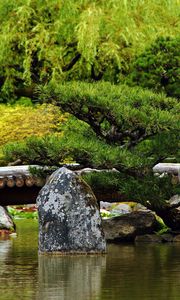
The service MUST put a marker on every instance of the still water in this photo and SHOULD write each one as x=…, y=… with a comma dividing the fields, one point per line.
x=127, y=272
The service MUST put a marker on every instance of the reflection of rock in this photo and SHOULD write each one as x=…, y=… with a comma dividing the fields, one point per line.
x=69, y=218
x=126, y=227
x=148, y=238
x=6, y=221
x=70, y=277
x=5, y=247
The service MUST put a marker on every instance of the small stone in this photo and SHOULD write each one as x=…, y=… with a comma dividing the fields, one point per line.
x=174, y=201
x=140, y=207
x=105, y=205
x=116, y=207
x=6, y=221
x=121, y=209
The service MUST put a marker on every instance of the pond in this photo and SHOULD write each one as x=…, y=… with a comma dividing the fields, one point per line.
x=127, y=272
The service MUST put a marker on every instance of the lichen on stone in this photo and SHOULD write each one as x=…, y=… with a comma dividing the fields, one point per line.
x=69, y=218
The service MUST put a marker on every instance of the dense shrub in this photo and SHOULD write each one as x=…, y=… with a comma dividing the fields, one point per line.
x=19, y=122
x=149, y=190
x=157, y=67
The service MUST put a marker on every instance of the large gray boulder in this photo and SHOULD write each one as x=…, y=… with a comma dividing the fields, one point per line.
x=69, y=218
x=127, y=227
x=6, y=222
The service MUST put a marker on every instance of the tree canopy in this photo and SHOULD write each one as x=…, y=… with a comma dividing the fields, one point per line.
x=118, y=114
x=43, y=41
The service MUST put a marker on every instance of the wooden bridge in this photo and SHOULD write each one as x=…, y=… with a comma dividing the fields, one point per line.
x=18, y=186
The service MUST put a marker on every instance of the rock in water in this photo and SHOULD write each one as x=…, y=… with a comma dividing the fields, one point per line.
x=6, y=222
x=127, y=227
x=69, y=218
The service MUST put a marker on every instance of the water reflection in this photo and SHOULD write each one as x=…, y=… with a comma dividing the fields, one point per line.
x=18, y=264
x=70, y=277
x=142, y=272
x=5, y=247
x=128, y=272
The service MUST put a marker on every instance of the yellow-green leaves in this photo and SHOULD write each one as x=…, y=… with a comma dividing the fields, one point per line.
x=57, y=40
x=19, y=122
x=88, y=34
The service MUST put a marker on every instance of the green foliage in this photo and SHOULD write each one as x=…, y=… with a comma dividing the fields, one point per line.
x=129, y=129
x=162, y=228
x=108, y=214
x=148, y=189
x=79, y=144
x=43, y=41
x=22, y=214
x=126, y=119
x=21, y=121
x=120, y=126
x=35, y=150
x=104, y=182
x=157, y=67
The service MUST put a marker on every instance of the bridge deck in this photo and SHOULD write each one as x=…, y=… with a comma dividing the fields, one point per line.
x=18, y=186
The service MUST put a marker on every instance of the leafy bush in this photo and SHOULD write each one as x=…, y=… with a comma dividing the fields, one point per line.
x=36, y=150
x=78, y=143
x=157, y=67
x=149, y=189
x=19, y=122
